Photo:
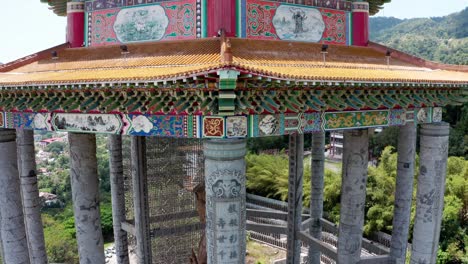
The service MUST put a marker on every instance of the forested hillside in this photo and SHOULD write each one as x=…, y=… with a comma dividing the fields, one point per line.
x=443, y=39
x=440, y=39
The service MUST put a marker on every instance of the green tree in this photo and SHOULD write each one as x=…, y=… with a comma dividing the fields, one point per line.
x=380, y=193
x=106, y=221
x=376, y=5
x=454, y=235
x=458, y=140
x=61, y=244
x=55, y=147
x=264, y=172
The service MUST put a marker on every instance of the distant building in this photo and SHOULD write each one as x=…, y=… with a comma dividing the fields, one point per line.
x=45, y=142
x=49, y=200
x=336, y=145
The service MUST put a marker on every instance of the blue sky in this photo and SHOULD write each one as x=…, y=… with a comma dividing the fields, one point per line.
x=28, y=26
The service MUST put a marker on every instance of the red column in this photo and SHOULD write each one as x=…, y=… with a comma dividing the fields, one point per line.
x=75, y=24
x=221, y=15
x=360, y=23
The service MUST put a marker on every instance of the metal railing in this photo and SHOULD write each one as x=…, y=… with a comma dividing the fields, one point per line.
x=380, y=245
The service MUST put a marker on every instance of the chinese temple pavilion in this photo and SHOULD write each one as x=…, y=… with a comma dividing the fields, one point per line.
x=219, y=72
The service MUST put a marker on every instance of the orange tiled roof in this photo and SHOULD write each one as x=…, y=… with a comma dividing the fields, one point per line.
x=180, y=59
x=144, y=61
x=299, y=60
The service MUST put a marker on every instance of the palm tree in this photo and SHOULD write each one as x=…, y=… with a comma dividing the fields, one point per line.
x=376, y=5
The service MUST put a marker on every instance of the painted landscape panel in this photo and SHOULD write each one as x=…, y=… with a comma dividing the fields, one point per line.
x=273, y=20
x=163, y=21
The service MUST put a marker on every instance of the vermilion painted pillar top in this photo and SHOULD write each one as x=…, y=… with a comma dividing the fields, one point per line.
x=75, y=24
x=360, y=23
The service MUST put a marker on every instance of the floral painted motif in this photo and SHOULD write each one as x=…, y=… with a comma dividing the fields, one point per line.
x=19, y=120
x=397, y=117
x=100, y=27
x=40, y=121
x=335, y=31
x=182, y=21
x=313, y=122
x=158, y=125
x=268, y=125
x=141, y=123
x=213, y=127
x=355, y=119
x=259, y=20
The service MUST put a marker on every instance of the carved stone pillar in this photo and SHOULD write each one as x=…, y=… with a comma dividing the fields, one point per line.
x=225, y=200
x=403, y=192
x=353, y=195
x=12, y=229
x=118, y=198
x=30, y=193
x=296, y=174
x=316, y=196
x=430, y=194
x=85, y=195
x=140, y=199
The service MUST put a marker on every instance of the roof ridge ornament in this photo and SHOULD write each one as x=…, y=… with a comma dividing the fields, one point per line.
x=226, y=51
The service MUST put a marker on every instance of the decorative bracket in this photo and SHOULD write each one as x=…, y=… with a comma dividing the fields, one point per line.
x=227, y=96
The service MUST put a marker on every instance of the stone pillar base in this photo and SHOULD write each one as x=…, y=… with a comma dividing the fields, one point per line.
x=225, y=200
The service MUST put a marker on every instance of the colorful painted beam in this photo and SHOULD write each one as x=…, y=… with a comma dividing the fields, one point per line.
x=192, y=126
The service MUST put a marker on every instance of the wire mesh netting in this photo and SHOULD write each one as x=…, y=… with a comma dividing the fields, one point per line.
x=174, y=168
x=128, y=187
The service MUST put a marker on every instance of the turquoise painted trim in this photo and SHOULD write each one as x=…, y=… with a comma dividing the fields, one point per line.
x=239, y=18
x=204, y=19
x=86, y=29
x=349, y=36
x=351, y=28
